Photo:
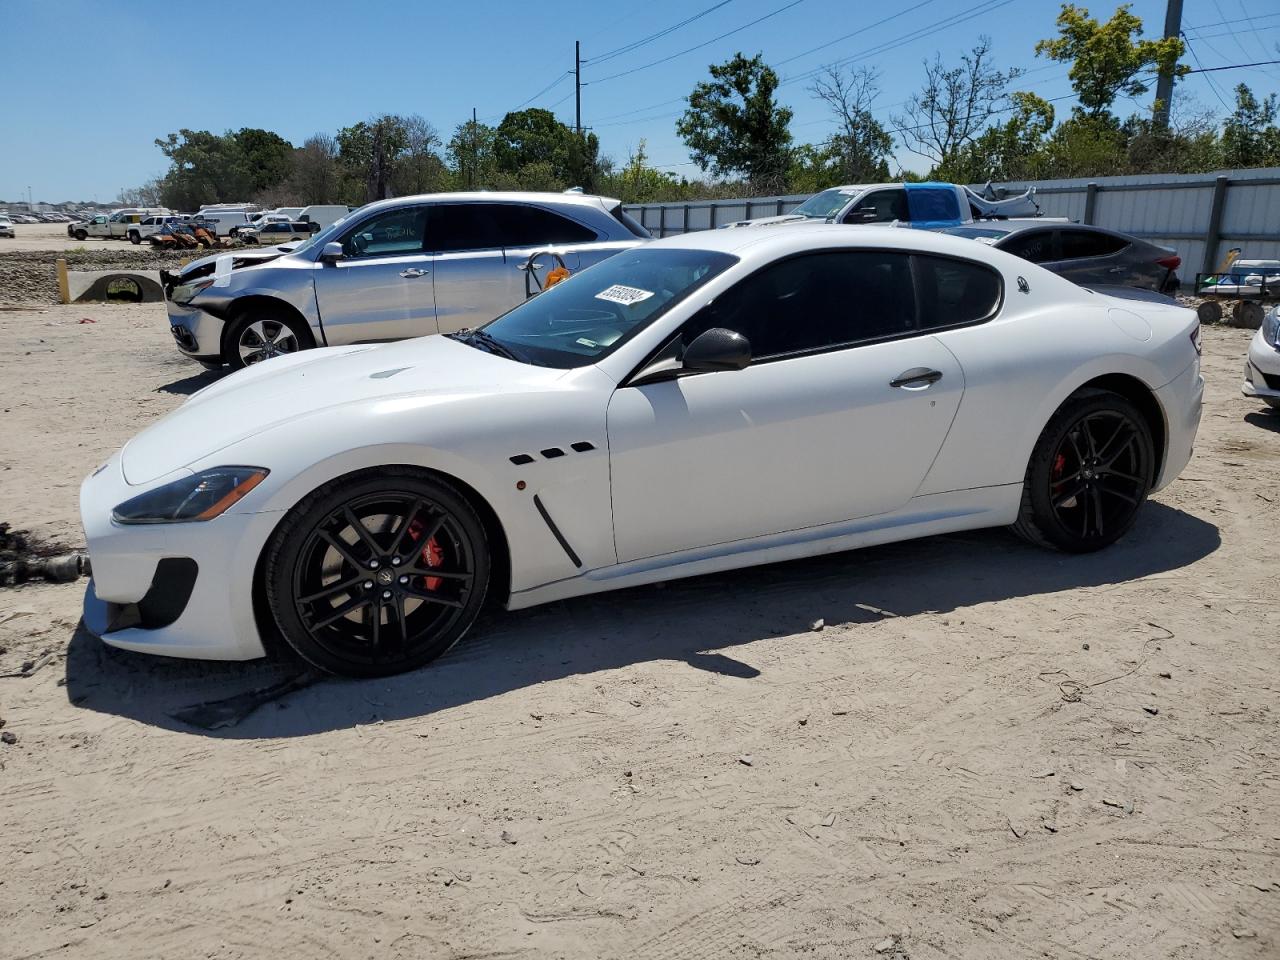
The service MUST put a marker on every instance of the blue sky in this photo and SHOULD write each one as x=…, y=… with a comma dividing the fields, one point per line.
x=80, y=108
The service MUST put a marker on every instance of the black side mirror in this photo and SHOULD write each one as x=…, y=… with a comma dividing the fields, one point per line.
x=863, y=215
x=717, y=349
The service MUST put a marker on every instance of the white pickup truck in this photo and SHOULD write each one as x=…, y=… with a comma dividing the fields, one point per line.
x=923, y=205
x=116, y=226
x=137, y=232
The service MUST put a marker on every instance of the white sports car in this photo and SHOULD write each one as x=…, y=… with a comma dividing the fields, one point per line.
x=701, y=403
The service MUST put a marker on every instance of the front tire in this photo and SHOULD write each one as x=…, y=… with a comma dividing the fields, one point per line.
x=81, y=235
x=258, y=334
x=377, y=573
x=1090, y=472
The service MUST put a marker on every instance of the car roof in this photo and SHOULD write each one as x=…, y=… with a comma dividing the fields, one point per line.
x=817, y=237
x=508, y=196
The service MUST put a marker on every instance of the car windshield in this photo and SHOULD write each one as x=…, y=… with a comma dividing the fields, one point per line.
x=825, y=205
x=324, y=236
x=587, y=317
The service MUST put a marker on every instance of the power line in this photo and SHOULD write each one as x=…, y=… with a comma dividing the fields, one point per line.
x=665, y=31
x=987, y=6
x=549, y=87
x=699, y=46
x=1212, y=86
x=831, y=43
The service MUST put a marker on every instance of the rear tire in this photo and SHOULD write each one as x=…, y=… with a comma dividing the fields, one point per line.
x=377, y=573
x=1209, y=312
x=1089, y=474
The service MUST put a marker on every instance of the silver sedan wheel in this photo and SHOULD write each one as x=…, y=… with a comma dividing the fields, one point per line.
x=264, y=339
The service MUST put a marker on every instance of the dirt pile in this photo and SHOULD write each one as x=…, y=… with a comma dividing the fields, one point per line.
x=30, y=276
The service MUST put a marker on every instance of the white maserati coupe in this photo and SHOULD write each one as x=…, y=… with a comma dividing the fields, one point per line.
x=697, y=404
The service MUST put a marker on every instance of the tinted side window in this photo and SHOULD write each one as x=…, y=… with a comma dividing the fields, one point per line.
x=888, y=205
x=1035, y=245
x=955, y=291
x=816, y=301
x=393, y=232
x=526, y=226
x=1077, y=244
x=463, y=226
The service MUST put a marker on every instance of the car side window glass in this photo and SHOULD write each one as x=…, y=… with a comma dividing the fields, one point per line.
x=1078, y=244
x=816, y=301
x=462, y=226
x=394, y=232
x=889, y=205
x=954, y=292
x=1036, y=246
x=529, y=226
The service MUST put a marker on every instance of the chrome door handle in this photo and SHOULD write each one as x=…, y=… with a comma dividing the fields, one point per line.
x=529, y=266
x=413, y=272
x=916, y=377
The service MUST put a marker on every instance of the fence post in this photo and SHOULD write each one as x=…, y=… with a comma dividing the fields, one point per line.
x=1213, y=235
x=779, y=211
x=64, y=285
x=1090, y=203
x=662, y=222
x=685, y=226
x=712, y=205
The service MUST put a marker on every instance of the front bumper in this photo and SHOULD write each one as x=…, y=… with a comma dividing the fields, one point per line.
x=177, y=589
x=1261, y=369
x=196, y=334
x=1182, y=400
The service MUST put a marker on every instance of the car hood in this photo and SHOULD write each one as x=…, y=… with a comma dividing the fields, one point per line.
x=275, y=392
x=240, y=259
x=772, y=221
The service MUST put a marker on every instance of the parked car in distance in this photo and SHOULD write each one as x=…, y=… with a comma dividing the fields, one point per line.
x=393, y=269
x=221, y=222
x=137, y=232
x=1089, y=256
x=323, y=214
x=641, y=421
x=276, y=231
x=1262, y=365
x=6, y=226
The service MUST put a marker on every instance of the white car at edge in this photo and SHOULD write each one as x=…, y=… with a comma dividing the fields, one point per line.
x=1262, y=366
x=697, y=404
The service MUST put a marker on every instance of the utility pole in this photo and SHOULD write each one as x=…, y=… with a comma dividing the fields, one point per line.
x=1164, y=86
x=475, y=149
x=577, y=86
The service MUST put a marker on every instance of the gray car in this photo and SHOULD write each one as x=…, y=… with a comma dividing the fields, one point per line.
x=1089, y=256
x=388, y=271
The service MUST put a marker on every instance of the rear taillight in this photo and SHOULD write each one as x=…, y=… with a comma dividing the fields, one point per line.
x=1170, y=263
x=1196, y=341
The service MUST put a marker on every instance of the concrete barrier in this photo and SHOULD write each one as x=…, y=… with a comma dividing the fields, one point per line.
x=124, y=286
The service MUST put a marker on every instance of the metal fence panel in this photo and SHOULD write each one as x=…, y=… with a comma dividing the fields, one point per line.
x=1176, y=210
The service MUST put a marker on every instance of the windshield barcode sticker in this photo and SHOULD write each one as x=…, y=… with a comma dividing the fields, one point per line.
x=624, y=295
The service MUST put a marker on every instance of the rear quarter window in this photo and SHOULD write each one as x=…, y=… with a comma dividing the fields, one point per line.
x=1079, y=244
x=955, y=293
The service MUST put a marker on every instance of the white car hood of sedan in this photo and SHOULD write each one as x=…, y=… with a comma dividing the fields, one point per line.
x=276, y=391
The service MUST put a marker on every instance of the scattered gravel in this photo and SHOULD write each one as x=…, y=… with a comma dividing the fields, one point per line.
x=30, y=276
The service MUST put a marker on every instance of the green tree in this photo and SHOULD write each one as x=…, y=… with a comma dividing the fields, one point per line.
x=861, y=147
x=1108, y=59
x=531, y=136
x=735, y=127
x=472, y=155
x=315, y=176
x=368, y=153
x=266, y=157
x=1013, y=150
x=955, y=104
x=1250, y=137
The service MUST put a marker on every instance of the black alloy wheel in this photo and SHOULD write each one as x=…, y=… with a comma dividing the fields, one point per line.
x=1089, y=475
x=377, y=574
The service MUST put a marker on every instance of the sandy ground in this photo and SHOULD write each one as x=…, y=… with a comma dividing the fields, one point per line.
x=678, y=772
x=53, y=236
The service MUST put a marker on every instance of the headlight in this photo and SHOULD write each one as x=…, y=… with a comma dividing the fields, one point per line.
x=184, y=292
x=200, y=497
x=1271, y=327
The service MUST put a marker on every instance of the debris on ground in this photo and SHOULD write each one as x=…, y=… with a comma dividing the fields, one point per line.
x=24, y=558
x=9, y=737
x=818, y=625
x=747, y=760
x=219, y=714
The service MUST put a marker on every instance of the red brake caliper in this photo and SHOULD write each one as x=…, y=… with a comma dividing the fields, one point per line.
x=432, y=553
